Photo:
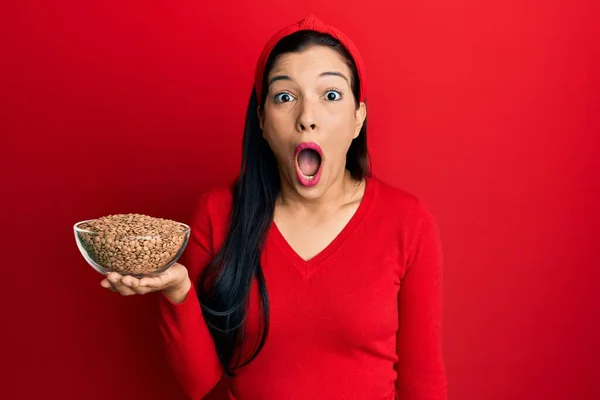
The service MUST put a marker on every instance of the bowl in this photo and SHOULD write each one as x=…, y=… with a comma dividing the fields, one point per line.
x=136, y=255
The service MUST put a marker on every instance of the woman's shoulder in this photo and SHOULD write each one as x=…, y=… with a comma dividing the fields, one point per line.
x=394, y=195
x=400, y=202
x=214, y=204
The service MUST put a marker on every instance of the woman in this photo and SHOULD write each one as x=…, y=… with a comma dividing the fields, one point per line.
x=310, y=278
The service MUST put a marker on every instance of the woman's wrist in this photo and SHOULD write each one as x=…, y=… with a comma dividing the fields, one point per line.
x=179, y=293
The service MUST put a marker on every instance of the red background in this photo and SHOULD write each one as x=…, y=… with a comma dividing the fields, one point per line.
x=488, y=112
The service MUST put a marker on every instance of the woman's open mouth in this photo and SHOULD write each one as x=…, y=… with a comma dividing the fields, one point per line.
x=309, y=160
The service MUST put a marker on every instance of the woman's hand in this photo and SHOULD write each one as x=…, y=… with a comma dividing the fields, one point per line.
x=174, y=282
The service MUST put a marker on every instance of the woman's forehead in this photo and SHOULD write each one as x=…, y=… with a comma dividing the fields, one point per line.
x=312, y=61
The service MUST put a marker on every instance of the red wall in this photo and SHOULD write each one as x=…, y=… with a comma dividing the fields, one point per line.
x=488, y=112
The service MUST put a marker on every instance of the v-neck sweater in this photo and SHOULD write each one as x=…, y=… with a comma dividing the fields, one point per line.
x=360, y=320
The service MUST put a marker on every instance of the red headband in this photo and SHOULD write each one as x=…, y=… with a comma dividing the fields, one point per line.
x=314, y=24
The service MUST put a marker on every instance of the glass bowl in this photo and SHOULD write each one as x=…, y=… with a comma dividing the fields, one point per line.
x=134, y=255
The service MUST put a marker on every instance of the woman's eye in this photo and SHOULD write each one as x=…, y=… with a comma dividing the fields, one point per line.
x=333, y=95
x=283, y=98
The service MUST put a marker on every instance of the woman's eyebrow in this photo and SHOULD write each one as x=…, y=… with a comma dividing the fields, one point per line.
x=279, y=78
x=326, y=73
x=335, y=73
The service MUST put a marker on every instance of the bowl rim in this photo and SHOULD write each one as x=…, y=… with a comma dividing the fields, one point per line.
x=77, y=229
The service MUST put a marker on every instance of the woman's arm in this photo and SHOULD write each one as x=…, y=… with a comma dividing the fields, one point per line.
x=190, y=349
x=420, y=367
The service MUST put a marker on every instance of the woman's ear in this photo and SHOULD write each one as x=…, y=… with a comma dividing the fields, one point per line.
x=360, y=115
x=261, y=117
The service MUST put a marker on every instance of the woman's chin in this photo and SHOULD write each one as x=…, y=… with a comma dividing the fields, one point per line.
x=306, y=187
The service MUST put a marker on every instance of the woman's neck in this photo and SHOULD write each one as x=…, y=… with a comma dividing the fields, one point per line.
x=342, y=191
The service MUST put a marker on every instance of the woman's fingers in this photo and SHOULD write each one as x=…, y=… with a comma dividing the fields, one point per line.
x=129, y=281
x=128, y=285
x=106, y=284
x=152, y=282
x=115, y=280
x=134, y=284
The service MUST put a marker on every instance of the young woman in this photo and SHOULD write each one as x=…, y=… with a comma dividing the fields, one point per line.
x=309, y=279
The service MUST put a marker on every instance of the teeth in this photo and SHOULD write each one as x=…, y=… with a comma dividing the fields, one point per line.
x=309, y=177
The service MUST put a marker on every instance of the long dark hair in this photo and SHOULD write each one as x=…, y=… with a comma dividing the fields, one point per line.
x=225, y=284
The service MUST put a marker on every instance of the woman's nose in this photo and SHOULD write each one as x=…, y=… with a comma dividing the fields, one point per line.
x=306, y=118
x=304, y=128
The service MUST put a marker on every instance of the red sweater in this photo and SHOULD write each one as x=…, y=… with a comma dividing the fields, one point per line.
x=361, y=320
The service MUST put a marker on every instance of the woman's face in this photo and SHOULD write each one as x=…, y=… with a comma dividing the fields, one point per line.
x=310, y=118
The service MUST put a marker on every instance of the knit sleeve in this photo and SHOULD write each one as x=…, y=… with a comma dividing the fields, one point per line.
x=189, y=348
x=420, y=367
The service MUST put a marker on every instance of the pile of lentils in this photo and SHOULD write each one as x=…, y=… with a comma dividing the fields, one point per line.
x=113, y=247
